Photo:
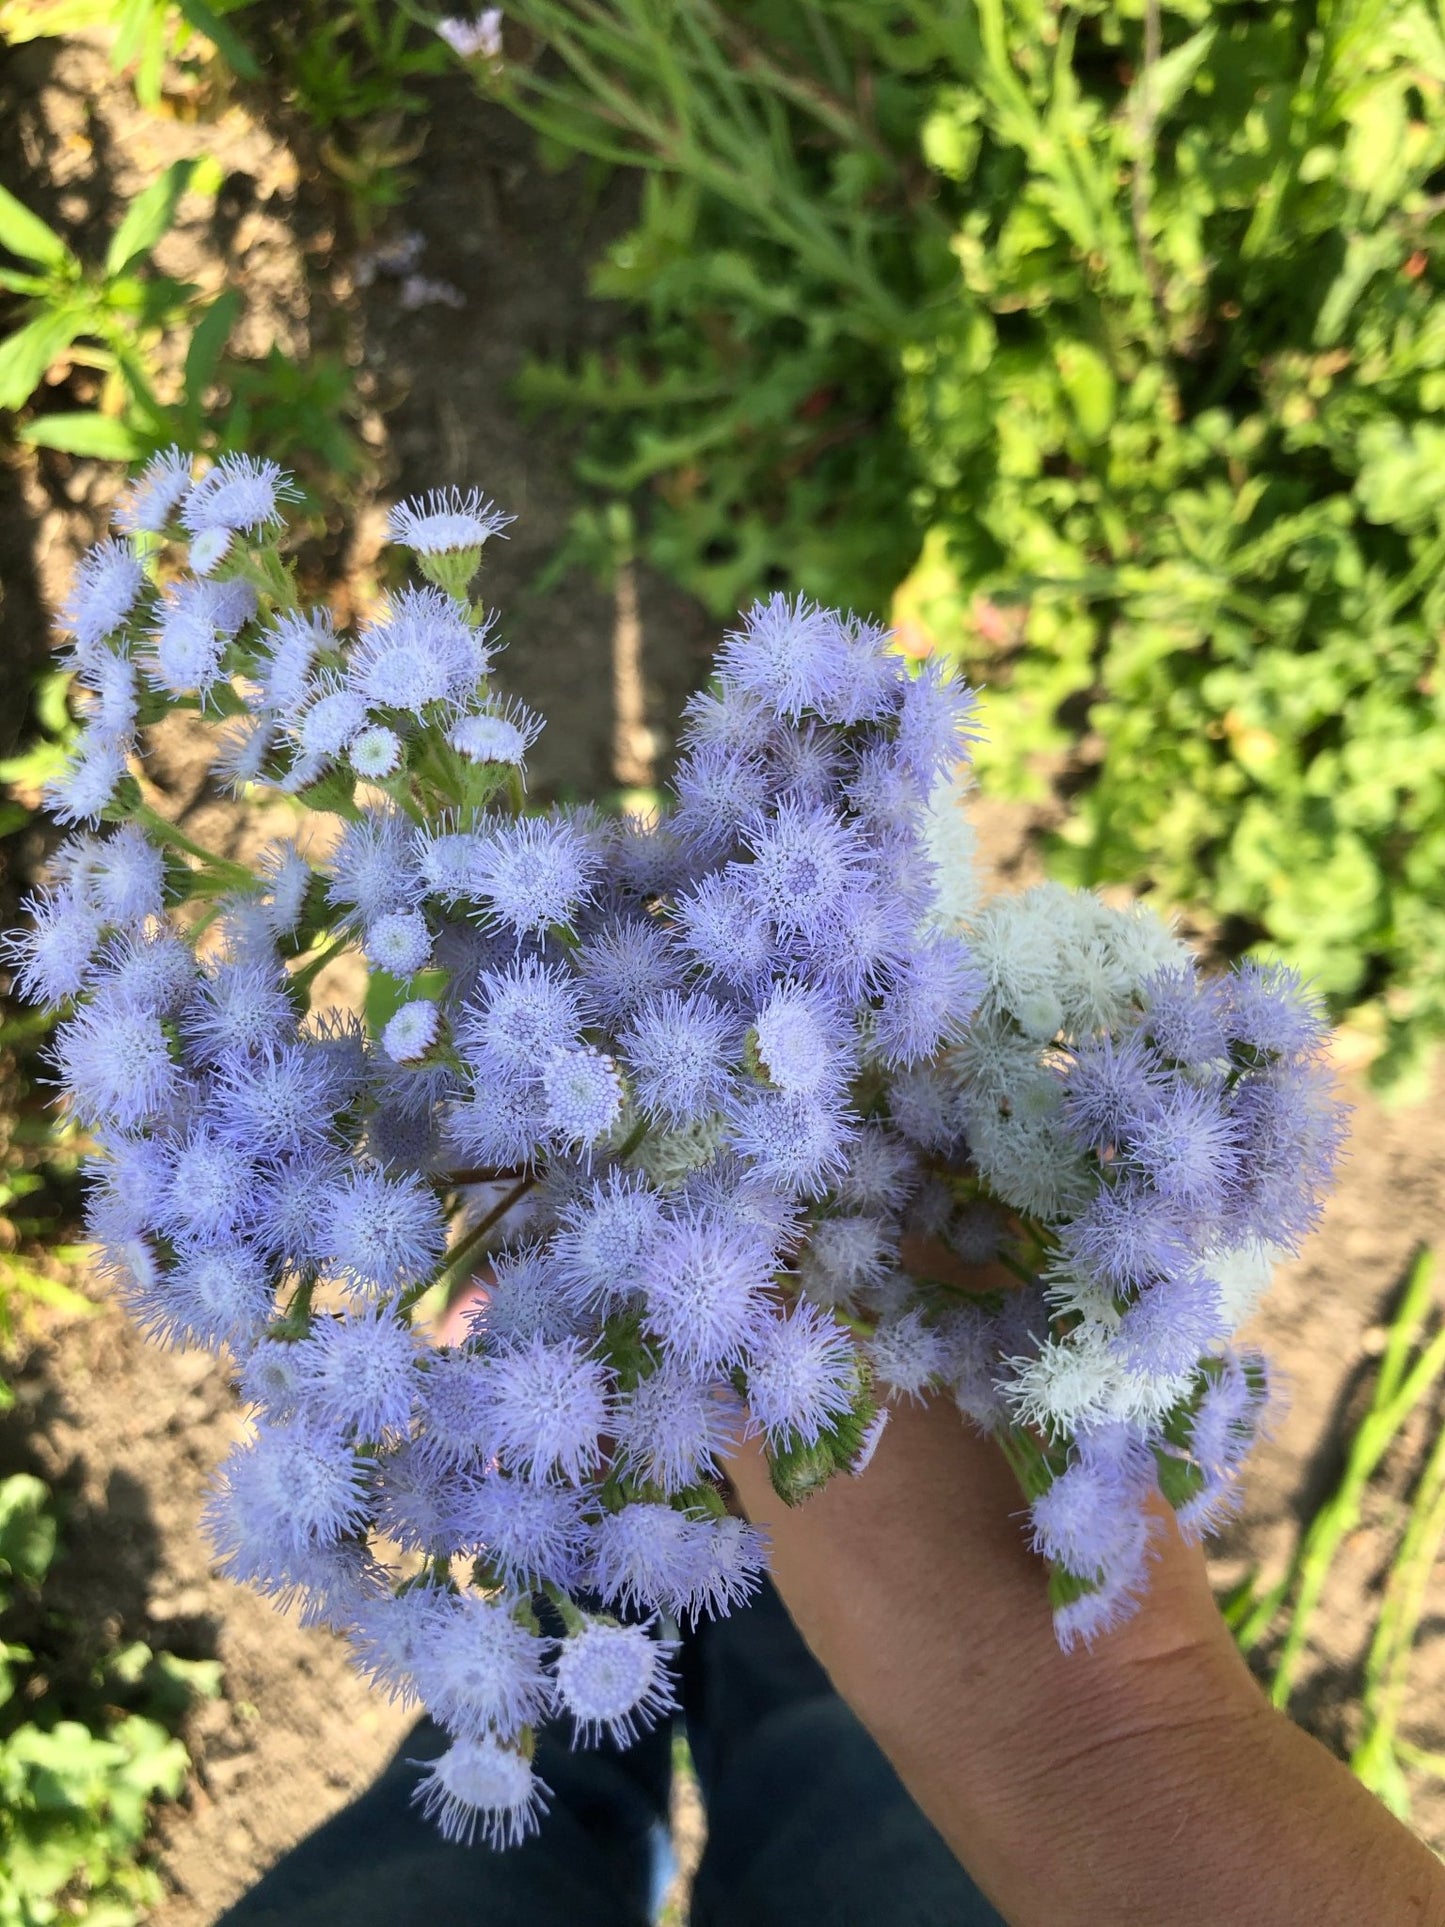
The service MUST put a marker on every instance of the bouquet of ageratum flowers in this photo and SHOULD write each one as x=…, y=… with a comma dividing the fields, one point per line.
x=747, y=1121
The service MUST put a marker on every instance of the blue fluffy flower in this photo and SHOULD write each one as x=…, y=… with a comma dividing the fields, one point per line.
x=421, y=651
x=806, y=864
x=604, y=1238
x=547, y=1406
x=534, y=872
x=787, y=655
x=519, y=1013
x=108, y=583
x=706, y=1283
x=802, y=1373
x=383, y=1232
x=627, y=961
x=373, y=870
x=678, y=1052
x=116, y=1065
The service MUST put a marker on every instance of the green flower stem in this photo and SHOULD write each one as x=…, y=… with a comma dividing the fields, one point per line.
x=1387, y=1668
x=459, y=1261
x=633, y=1139
x=295, y=1321
x=303, y=978
x=234, y=876
x=465, y=1250
x=267, y=573
x=1020, y=1270
x=1029, y=1459
x=573, y=1620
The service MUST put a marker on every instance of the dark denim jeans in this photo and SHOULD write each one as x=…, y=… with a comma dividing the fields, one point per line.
x=808, y=1825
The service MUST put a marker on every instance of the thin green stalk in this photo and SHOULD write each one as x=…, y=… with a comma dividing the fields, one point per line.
x=1406, y=1326
x=1381, y=1427
x=265, y=570
x=1366, y=1449
x=1387, y=1668
x=295, y=1321
x=234, y=875
x=1020, y=1270
x=1421, y=1758
x=725, y=149
x=303, y=978
x=1334, y=1524
x=572, y=1620
x=630, y=1143
x=1028, y=1459
x=465, y=1250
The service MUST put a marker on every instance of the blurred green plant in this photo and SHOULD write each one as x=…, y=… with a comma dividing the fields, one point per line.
x=1124, y=316
x=1381, y=1753
x=786, y=246
x=352, y=72
x=80, y=1765
x=145, y=35
x=153, y=350
x=110, y=319
x=1409, y=1374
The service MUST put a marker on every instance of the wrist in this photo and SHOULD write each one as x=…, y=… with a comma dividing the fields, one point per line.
x=1143, y=1781
x=1024, y=1757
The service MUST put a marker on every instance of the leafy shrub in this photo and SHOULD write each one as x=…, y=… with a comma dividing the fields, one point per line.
x=78, y=1770
x=122, y=323
x=352, y=73
x=1130, y=310
x=146, y=35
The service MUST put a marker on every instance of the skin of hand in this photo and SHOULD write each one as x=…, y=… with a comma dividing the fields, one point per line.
x=1143, y=1783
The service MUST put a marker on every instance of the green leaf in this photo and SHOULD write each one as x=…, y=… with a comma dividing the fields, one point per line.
x=136, y=25
x=227, y=42
x=335, y=793
x=31, y=350
x=148, y=217
x=25, y=234
x=100, y=437
x=170, y=1686
x=16, y=1275
x=1163, y=87
x=24, y=23
x=385, y=996
x=52, y=701
x=1089, y=384
x=15, y=283
x=39, y=764
x=150, y=66
x=1402, y=472
x=27, y=1528
x=208, y=343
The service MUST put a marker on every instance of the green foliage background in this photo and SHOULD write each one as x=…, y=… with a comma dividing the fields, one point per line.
x=1126, y=317
x=80, y=1760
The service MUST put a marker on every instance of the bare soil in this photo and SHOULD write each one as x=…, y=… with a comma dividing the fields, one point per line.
x=129, y=1434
